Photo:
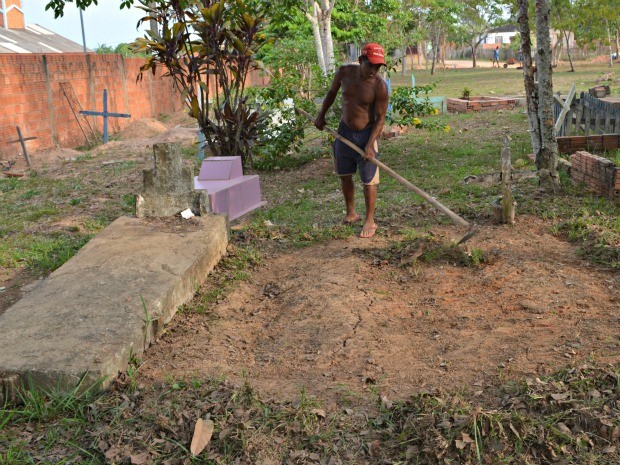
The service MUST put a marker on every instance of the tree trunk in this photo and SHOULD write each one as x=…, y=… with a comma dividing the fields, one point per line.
x=325, y=23
x=547, y=157
x=570, y=60
x=320, y=17
x=435, y=44
x=473, y=55
x=557, y=49
x=611, y=59
x=531, y=93
x=442, y=53
x=318, y=43
x=422, y=52
x=617, y=44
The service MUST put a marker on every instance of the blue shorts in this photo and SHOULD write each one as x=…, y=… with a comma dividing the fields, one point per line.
x=347, y=161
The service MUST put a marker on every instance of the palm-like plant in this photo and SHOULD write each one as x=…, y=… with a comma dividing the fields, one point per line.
x=208, y=48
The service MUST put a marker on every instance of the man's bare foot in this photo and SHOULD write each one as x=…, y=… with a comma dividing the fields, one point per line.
x=368, y=230
x=354, y=219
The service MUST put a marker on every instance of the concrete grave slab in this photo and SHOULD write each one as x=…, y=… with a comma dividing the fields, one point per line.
x=87, y=317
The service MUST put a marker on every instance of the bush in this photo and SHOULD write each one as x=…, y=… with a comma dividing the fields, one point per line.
x=411, y=103
x=280, y=128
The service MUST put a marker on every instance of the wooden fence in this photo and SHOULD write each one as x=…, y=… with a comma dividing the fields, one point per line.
x=587, y=115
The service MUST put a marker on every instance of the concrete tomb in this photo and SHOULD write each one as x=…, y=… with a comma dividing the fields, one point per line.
x=168, y=187
x=81, y=325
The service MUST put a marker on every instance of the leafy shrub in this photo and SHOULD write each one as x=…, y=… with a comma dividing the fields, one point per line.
x=411, y=103
x=280, y=128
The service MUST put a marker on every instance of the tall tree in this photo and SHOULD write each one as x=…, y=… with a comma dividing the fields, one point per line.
x=319, y=14
x=477, y=19
x=539, y=94
x=440, y=16
x=598, y=21
x=564, y=18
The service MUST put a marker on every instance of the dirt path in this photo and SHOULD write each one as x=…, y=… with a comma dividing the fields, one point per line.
x=337, y=321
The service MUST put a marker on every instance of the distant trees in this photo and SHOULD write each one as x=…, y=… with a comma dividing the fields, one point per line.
x=123, y=49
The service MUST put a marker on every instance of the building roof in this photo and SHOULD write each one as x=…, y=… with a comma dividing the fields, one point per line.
x=506, y=28
x=35, y=39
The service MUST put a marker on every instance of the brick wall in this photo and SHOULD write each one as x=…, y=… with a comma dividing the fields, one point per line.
x=457, y=105
x=599, y=174
x=570, y=144
x=43, y=93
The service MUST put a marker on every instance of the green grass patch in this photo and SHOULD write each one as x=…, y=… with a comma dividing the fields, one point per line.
x=613, y=155
x=499, y=82
x=40, y=253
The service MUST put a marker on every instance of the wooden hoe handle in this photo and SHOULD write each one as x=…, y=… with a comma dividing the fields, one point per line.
x=449, y=213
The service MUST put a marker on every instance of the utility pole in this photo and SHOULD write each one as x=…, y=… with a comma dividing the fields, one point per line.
x=83, y=34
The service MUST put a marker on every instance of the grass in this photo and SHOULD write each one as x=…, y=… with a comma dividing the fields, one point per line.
x=569, y=416
x=509, y=81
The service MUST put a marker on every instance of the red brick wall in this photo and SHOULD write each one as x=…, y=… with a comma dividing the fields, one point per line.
x=597, y=173
x=32, y=97
x=570, y=144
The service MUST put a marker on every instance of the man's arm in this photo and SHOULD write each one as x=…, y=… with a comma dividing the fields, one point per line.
x=329, y=99
x=381, y=105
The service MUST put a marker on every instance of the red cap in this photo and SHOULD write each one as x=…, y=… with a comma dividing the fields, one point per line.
x=374, y=53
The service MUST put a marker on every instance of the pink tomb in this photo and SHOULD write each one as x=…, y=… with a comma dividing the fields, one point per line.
x=228, y=189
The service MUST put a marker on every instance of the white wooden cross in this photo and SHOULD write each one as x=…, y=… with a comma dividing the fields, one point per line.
x=565, y=107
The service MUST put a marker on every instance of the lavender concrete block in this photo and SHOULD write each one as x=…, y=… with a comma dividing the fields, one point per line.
x=229, y=191
x=220, y=168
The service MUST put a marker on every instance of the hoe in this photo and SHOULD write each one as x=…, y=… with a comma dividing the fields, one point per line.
x=449, y=213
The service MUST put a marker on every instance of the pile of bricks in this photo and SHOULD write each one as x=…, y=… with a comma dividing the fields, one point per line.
x=457, y=105
x=599, y=174
x=571, y=144
x=394, y=131
x=600, y=91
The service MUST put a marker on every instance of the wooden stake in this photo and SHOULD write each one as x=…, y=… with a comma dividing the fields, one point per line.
x=508, y=206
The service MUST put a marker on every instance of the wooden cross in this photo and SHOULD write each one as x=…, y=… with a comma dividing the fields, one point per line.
x=22, y=140
x=105, y=115
x=565, y=108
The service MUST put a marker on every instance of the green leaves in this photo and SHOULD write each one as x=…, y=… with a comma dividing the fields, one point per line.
x=208, y=48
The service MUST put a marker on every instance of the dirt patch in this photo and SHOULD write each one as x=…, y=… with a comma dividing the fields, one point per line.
x=336, y=321
x=142, y=129
x=136, y=140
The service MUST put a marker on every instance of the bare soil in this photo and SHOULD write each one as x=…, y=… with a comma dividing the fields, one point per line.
x=339, y=319
x=335, y=320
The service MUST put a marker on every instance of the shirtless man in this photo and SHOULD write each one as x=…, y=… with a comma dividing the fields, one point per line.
x=364, y=105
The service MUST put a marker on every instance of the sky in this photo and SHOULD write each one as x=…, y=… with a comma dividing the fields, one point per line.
x=104, y=23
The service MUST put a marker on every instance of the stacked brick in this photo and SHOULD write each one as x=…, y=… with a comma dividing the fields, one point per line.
x=571, y=144
x=599, y=174
x=457, y=105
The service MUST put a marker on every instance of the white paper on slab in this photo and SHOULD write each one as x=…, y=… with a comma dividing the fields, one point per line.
x=187, y=214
